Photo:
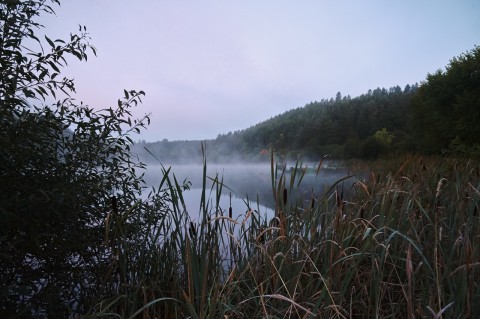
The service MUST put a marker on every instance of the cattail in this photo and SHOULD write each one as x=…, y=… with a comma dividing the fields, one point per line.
x=192, y=230
x=230, y=208
x=339, y=198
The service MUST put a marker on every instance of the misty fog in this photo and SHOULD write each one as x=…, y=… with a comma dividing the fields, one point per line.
x=245, y=183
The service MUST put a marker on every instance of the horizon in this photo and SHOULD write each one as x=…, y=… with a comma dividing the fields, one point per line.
x=213, y=68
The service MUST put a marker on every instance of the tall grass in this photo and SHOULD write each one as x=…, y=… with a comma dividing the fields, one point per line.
x=404, y=243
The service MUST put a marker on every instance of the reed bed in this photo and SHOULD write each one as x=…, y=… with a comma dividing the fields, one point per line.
x=402, y=243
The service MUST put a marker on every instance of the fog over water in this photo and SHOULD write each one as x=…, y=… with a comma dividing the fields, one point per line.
x=244, y=183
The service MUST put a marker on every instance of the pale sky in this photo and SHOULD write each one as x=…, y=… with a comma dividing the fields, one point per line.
x=209, y=67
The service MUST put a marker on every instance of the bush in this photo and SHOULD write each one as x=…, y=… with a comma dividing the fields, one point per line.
x=64, y=167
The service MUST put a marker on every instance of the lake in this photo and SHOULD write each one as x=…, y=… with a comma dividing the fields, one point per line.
x=243, y=183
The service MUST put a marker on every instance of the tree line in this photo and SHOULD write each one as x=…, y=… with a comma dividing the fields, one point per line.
x=437, y=116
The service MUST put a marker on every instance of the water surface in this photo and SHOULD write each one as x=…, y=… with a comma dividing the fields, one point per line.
x=242, y=184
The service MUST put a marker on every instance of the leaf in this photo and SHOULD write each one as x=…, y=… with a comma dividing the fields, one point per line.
x=77, y=55
x=42, y=75
x=50, y=42
x=28, y=93
x=53, y=66
x=149, y=304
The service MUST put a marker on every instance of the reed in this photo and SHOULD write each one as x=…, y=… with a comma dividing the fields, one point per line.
x=403, y=243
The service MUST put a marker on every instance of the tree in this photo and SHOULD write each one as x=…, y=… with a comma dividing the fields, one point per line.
x=464, y=74
x=64, y=167
x=338, y=97
x=384, y=137
x=446, y=107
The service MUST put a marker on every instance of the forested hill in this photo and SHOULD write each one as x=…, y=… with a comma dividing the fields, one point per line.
x=327, y=126
x=440, y=116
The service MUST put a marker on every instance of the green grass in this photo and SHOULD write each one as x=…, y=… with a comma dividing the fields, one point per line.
x=404, y=244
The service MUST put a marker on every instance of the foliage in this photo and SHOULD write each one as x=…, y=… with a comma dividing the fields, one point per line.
x=317, y=129
x=77, y=238
x=446, y=109
x=403, y=243
x=61, y=165
x=384, y=137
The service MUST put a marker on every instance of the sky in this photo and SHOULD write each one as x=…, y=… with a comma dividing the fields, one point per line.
x=210, y=67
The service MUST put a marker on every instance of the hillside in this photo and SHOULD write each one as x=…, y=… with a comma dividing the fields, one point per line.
x=438, y=116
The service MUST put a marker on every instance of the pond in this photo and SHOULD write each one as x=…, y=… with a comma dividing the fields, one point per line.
x=244, y=184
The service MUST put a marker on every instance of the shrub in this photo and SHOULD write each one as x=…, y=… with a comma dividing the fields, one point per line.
x=64, y=167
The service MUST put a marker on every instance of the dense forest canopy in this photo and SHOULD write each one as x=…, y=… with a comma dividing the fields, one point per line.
x=446, y=110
